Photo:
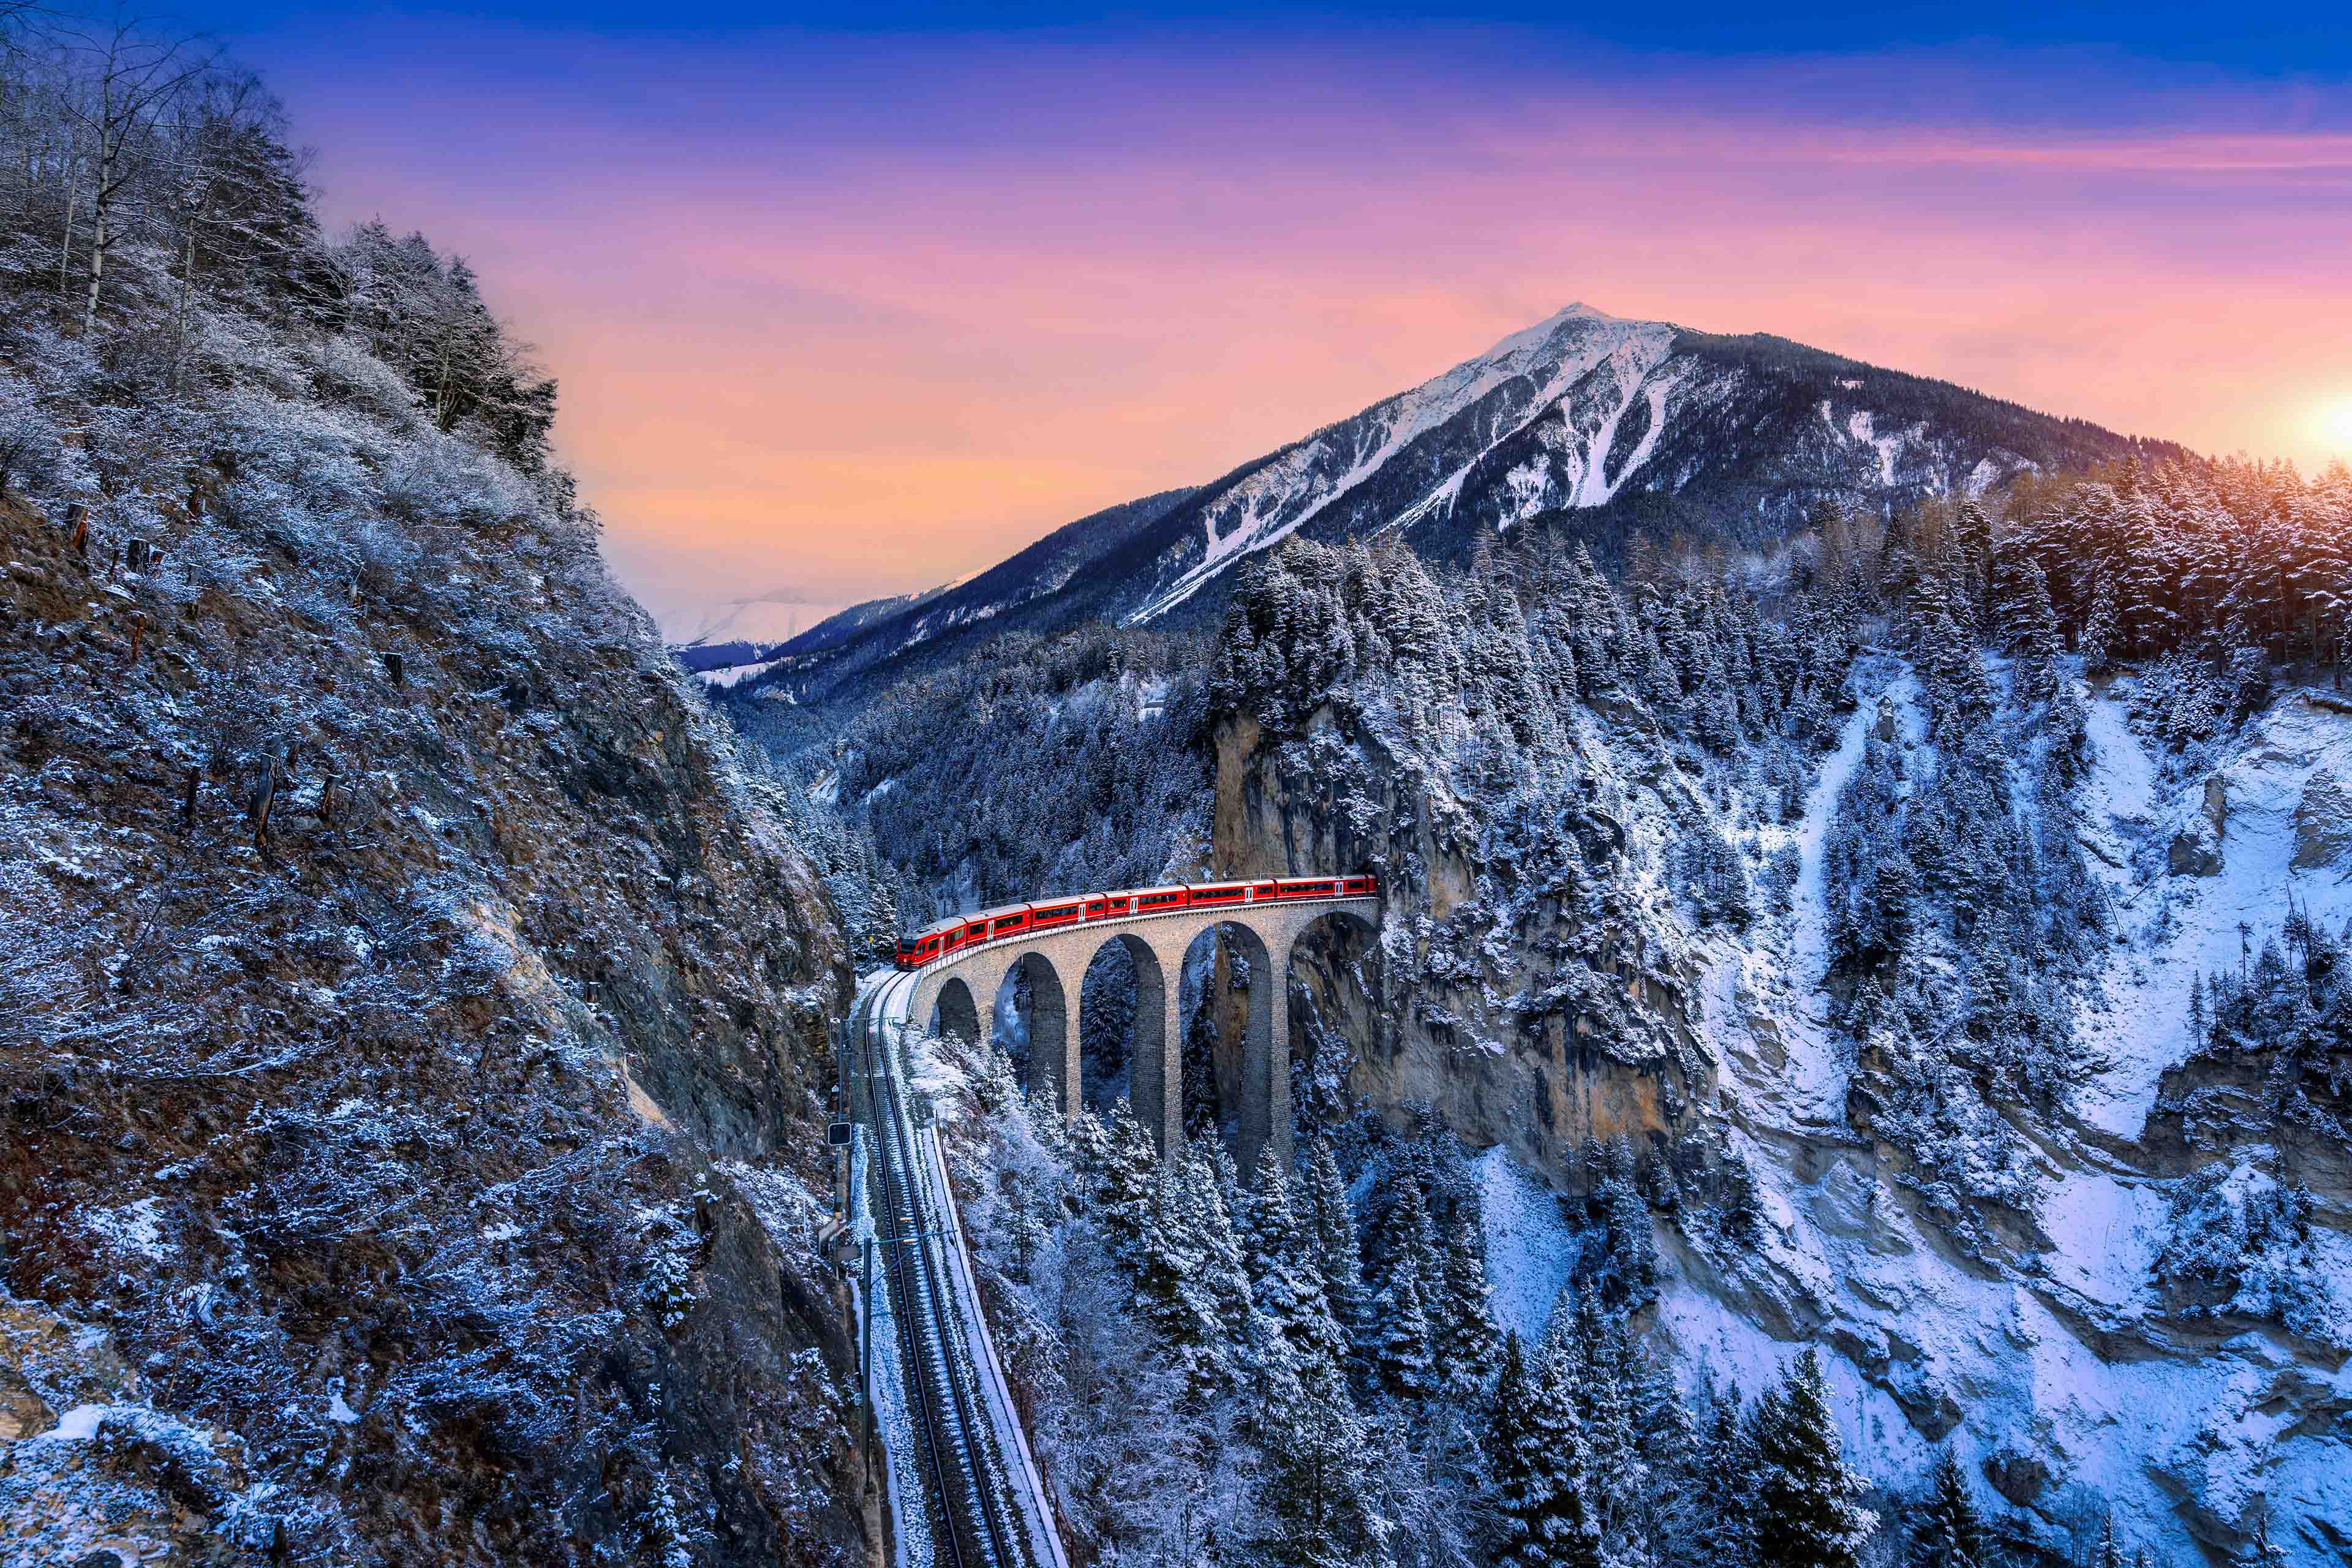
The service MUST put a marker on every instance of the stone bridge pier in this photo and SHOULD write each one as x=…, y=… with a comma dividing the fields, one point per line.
x=964, y=989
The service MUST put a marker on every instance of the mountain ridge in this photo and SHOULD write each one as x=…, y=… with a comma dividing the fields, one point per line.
x=1600, y=425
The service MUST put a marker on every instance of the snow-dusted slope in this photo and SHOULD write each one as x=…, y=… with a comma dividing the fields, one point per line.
x=2204, y=863
x=1582, y=369
x=2058, y=1373
x=1615, y=420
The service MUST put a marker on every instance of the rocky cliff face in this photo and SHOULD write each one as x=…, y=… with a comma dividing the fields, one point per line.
x=413, y=1030
x=1535, y=1009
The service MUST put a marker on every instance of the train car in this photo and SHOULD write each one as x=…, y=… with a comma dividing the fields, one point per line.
x=946, y=938
x=1161, y=900
x=1058, y=913
x=926, y=946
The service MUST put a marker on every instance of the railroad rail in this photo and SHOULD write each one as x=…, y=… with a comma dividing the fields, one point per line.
x=973, y=1516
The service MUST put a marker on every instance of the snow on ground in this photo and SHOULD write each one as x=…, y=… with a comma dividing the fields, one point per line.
x=1288, y=493
x=1813, y=1083
x=1530, y=1250
x=1921, y=1352
x=2177, y=927
x=2105, y=1229
x=729, y=675
x=1918, y=1340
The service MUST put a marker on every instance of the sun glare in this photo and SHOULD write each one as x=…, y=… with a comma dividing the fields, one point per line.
x=2335, y=424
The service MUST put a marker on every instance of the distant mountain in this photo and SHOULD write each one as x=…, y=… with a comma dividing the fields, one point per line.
x=1586, y=421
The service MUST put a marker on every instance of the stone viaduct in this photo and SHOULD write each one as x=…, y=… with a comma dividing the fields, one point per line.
x=964, y=989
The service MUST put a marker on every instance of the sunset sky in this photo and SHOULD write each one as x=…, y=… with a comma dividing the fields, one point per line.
x=847, y=310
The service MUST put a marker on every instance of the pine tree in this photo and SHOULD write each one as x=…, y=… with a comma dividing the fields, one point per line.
x=1632, y=1249
x=1401, y=1357
x=2098, y=641
x=1193, y=1289
x=1285, y=1279
x=1806, y=1514
x=1339, y=1256
x=2110, y=1555
x=1620, y=1479
x=1467, y=1342
x=2031, y=631
x=1537, y=1465
x=1318, y=1454
x=1125, y=1188
x=1948, y=1532
x=1723, y=1506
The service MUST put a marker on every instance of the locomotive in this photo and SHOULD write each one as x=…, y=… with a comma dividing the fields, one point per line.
x=950, y=937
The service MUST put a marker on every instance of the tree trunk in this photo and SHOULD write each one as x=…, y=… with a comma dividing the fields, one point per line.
x=263, y=799
x=98, y=243
x=65, y=246
x=102, y=209
x=180, y=316
x=188, y=801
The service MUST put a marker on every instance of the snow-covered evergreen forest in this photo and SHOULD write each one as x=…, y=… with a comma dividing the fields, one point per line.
x=941, y=773
x=1879, y=760
x=1857, y=1065
x=1308, y=1369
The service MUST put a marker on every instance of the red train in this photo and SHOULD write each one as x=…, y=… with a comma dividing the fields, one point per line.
x=950, y=937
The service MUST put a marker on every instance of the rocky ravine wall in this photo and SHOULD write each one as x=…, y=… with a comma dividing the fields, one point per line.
x=432, y=1178
x=2063, y=1375
x=1533, y=1011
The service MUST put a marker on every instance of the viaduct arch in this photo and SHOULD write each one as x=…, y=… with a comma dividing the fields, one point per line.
x=963, y=987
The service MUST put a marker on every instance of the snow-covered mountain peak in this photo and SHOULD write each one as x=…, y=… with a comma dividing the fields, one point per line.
x=1528, y=337
x=1597, y=425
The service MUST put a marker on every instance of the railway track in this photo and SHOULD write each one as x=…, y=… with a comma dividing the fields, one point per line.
x=958, y=1456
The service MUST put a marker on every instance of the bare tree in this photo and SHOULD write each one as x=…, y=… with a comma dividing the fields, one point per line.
x=135, y=80
x=227, y=124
